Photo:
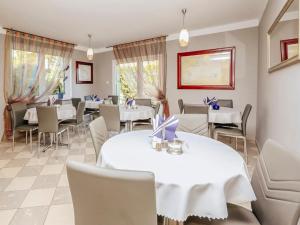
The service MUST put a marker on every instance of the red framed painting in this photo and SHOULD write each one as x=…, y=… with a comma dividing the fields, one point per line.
x=288, y=48
x=206, y=69
x=84, y=72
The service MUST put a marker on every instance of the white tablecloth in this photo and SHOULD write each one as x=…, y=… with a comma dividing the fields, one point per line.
x=199, y=182
x=224, y=115
x=63, y=112
x=141, y=113
x=93, y=104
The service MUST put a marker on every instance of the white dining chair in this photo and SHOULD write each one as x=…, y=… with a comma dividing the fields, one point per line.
x=99, y=134
x=110, y=196
x=193, y=123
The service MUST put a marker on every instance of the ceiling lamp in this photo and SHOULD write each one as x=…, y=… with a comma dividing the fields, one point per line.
x=184, y=34
x=90, y=52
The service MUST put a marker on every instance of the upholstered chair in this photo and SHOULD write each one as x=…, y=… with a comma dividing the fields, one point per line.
x=225, y=103
x=110, y=196
x=193, y=123
x=111, y=115
x=114, y=99
x=195, y=109
x=75, y=102
x=48, y=123
x=180, y=104
x=78, y=121
x=143, y=101
x=276, y=183
x=99, y=134
x=236, y=132
x=18, y=111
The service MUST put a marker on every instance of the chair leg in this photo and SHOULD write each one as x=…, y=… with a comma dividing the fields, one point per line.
x=13, y=141
x=56, y=142
x=39, y=143
x=245, y=150
x=30, y=137
x=26, y=139
x=236, y=148
x=68, y=136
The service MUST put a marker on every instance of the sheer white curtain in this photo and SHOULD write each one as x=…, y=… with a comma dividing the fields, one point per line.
x=146, y=59
x=33, y=67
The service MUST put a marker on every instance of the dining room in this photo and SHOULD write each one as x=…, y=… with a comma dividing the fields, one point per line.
x=161, y=112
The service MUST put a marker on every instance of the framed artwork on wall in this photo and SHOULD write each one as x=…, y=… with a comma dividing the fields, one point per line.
x=84, y=73
x=206, y=69
x=288, y=48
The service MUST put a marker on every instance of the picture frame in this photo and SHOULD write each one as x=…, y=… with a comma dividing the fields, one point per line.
x=287, y=47
x=206, y=69
x=84, y=72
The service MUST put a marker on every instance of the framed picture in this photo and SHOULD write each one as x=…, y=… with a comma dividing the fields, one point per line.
x=206, y=69
x=84, y=73
x=288, y=48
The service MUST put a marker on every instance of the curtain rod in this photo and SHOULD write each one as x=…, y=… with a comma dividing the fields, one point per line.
x=38, y=36
x=136, y=41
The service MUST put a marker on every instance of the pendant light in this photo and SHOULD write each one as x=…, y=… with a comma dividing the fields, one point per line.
x=90, y=52
x=184, y=34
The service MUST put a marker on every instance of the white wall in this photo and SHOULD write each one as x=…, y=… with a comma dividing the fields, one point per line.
x=246, y=42
x=278, y=93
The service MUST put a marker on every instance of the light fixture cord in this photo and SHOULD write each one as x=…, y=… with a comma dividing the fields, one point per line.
x=90, y=37
x=183, y=16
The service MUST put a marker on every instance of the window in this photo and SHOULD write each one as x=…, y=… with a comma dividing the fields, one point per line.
x=136, y=79
x=25, y=64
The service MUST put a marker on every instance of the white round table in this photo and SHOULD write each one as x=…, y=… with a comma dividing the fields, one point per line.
x=199, y=182
x=224, y=115
x=64, y=112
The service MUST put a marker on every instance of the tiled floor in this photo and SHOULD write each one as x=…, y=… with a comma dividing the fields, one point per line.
x=35, y=191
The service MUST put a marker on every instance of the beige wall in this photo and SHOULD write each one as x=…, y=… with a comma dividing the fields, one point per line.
x=246, y=42
x=285, y=30
x=80, y=90
x=2, y=103
x=245, y=91
x=278, y=93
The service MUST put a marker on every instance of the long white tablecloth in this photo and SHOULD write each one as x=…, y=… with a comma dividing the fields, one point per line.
x=140, y=113
x=224, y=115
x=199, y=182
x=63, y=112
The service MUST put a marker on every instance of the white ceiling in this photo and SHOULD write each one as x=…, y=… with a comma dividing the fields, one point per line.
x=118, y=21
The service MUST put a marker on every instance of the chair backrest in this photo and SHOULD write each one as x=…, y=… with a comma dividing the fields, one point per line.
x=143, y=101
x=80, y=112
x=18, y=111
x=111, y=197
x=75, y=102
x=35, y=104
x=180, y=104
x=47, y=118
x=276, y=183
x=193, y=123
x=111, y=115
x=225, y=103
x=99, y=134
x=108, y=101
x=88, y=98
x=195, y=109
x=114, y=99
x=245, y=116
